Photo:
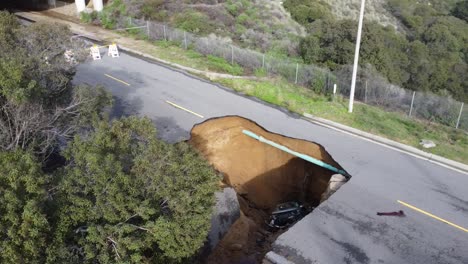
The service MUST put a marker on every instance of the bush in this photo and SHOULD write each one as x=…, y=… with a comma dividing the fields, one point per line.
x=152, y=10
x=111, y=13
x=88, y=17
x=260, y=72
x=232, y=8
x=218, y=63
x=192, y=21
x=461, y=10
x=307, y=12
x=136, y=199
x=242, y=18
x=240, y=29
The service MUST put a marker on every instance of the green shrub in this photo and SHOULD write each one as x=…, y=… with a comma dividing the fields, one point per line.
x=245, y=3
x=318, y=83
x=193, y=21
x=242, y=18
x=85, y=17
x=461, y=10
x=232, y=8
x=153, y=10
x=107, y=21
x=193, y=54
x=240, y=29
x=307, y=12
x=111, y=13
x=217, y=63
x=260, y=72
x=88, y=17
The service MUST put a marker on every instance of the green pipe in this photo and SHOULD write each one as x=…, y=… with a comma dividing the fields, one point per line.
x=297, y=154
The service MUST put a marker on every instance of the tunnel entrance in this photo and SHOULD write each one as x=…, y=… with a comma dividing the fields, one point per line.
x=41, y=5
x=263, y=177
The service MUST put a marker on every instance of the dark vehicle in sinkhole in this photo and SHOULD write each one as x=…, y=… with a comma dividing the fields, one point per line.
x=286, y=214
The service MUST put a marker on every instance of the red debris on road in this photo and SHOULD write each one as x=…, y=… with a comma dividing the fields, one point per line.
x=399, y=213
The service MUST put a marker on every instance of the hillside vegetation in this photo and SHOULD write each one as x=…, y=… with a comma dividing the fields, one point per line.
x=259, y=24
x=419, y=45
x=430, y=52
x=76, y=187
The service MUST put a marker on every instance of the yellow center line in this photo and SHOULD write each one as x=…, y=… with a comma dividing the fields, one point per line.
x=185, y=109
x=117, y=79
x=433, y=216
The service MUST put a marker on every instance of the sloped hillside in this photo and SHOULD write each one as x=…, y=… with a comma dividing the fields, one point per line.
x=382, y=11
x=426, y=52
x=375, y=11
x=259, y=24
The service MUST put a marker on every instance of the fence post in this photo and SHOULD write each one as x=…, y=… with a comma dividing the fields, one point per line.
x=263, y=61
x=412, y=101
x=185, y=40
x=147, y=29
x=130, y=21
x=164, y=32
x=232, y=55
x=325, y=87
x=334, y=89
x=297, y=69
x=459, y=115
x=365, y=94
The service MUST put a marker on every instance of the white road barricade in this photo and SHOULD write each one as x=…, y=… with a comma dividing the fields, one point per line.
x=95, y=53
x=113, y=51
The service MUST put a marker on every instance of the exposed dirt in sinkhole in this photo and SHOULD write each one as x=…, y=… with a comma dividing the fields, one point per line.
x=263, y=176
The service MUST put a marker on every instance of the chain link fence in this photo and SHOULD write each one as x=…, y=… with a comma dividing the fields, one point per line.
x=372, y=89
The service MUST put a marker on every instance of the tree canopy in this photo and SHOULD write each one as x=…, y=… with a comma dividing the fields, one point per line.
x=461, y=10
x=121, y=195
x=126, y=196
x=38, y=103
x=430, y=53
x=24, y=227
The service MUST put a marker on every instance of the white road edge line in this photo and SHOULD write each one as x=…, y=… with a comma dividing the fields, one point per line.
x=387, y=146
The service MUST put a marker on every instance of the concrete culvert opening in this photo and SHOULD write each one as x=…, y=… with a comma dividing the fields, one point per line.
x=263, y=177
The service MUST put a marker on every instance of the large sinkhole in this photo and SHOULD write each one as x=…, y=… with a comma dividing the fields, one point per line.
x=263, y=177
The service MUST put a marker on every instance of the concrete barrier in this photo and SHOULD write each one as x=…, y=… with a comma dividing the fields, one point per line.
x=225, y=213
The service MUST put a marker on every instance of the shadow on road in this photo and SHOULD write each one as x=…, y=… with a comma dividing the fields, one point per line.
x=123, y=108
x=169, y=131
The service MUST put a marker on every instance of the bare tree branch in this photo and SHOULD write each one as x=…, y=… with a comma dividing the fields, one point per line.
x=114, y=245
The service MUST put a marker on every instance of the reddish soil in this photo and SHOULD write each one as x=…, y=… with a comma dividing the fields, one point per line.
x=263, y=174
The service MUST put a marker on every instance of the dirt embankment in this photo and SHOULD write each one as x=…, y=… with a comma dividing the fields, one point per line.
x=262, y=175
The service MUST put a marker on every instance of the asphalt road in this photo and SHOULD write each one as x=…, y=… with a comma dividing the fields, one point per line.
x=345, y=228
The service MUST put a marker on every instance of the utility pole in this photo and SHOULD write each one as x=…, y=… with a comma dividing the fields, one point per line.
x=365, y=94
x=459, y=116
x=412, y=101
x=297, y=70
x=148, y=29
x=356, y=57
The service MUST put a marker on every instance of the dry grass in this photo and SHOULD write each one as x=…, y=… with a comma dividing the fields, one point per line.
x=375, y=11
